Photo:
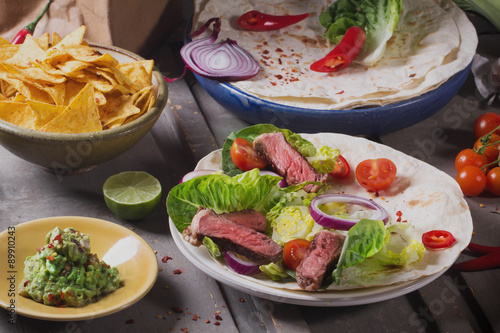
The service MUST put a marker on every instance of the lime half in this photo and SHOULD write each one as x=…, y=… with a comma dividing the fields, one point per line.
x=132, y=195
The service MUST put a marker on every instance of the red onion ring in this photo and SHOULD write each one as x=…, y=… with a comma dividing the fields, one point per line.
x=225, y=61
x=338, y=223
x=240, y=266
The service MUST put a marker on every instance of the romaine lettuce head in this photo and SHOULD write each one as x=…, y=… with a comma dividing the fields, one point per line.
x=377, y=17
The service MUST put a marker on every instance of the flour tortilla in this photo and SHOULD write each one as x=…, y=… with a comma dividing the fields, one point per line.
x=428, y=198
x=433, y=41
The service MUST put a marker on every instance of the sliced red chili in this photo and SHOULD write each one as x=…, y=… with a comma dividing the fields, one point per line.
x=58, y=237
x=344, y=53
x=257, y=21
x=490, y=260
x=438, y=239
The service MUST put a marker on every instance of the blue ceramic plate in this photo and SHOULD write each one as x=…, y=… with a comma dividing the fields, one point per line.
x=362, y=121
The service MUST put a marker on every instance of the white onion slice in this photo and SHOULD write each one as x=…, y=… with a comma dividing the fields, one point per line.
x=240, y=266
x=338, y=223
x=196, y=173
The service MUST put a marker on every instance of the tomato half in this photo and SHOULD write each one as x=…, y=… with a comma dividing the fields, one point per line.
x=438, y=239
x=486, y=123
x=294, y=251
x=376, y=174
x=472, y=180
x=493, y=181
x=342, y=169
x=244, y=155
x=469, y=157
x=489, y=148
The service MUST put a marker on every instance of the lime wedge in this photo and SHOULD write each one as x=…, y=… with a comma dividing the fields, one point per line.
x=132, y=195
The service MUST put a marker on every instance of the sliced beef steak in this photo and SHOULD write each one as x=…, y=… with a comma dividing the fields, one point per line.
x=249, y=218
x=324, y=250
x=235, y=237
x=287, y=161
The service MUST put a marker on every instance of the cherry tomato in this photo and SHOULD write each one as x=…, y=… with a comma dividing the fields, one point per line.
x=469, y=157
x=244, y=155
x=493, y=181
x=294, y=251
x=342, y=169
x=490, y=152
x=438, y=239
x=486, y=123
x=376, y=174
x=472, y=180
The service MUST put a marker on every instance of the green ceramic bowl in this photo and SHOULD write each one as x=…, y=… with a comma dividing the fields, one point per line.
x=63, y=153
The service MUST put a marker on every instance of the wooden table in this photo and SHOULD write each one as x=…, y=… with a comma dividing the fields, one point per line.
x=191, y=126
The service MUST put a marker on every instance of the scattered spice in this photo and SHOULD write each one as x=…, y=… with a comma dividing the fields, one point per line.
x=216, y=323
x=207, y=321
x=184, y=330
x=217, y=317
x=177, y=271
x=196, y=317
x=166, y=258
x=176, y=309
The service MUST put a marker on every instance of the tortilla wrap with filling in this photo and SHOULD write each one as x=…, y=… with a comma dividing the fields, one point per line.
x=433, y=41
x=428, y=199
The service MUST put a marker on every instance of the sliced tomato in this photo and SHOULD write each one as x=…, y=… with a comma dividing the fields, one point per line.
x=376, y=174
x=294, y=251
x=342, y=169
x=438, y=239
x=244, y=155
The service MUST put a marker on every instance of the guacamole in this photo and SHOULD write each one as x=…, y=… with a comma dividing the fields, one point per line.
x=64, y=272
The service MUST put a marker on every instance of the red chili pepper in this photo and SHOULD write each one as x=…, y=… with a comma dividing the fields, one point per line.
x=257, y=21
x=483, y=249
x=30, y=28
x=486, y=261
x=58, y=237
x=344, y=53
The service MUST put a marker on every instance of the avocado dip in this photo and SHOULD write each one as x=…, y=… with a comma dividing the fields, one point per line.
x=64, y=272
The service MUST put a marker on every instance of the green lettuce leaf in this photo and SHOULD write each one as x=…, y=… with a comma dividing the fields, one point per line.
x=223, y=194
x=275, y=272
x=364, y=239
x=377, y=17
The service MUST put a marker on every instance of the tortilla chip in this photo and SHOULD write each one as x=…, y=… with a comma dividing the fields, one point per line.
x=7, y=51
x=56, y=39
x=19, y=114
x=28, y=53
x=74, y=38
x=44, y=112
x=117, y=110
x=137, y=73
x=3, y=41
x=19, y=98
x=80, y=116
x=43, y=41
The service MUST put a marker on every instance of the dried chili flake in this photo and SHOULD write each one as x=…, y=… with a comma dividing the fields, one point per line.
x=166, y=258
x=184, y=330
x=176, y=309
x=241, y=300
x=177, y=271
x=207, y=321
x=216, y=323
x=196, y=317
x=217, y=316
x=129, y=321
x=399, y=214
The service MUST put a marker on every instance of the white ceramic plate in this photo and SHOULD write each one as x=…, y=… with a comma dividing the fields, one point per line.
x=116, y=245
x=200, y=257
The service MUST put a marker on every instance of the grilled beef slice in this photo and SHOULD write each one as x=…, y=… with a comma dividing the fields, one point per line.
x=287, y=161
x=249, y=218
x=231, y=236
x=324, y=250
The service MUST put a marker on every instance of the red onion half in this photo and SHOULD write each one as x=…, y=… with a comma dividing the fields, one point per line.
x=338, y=223
x=240, y=266
x=224, y=61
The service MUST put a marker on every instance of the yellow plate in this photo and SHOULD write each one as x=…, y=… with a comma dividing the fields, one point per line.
x=116, y=245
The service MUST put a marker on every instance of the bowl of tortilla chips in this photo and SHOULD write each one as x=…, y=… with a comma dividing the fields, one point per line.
x=67, y=105
x=424, y=64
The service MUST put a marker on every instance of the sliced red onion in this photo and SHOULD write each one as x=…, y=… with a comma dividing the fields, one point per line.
x=196, y=173
x=240, y=266
x=225, y=61
x=338, y=223
x=282, y=182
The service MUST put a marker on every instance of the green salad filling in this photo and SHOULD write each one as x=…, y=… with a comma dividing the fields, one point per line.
x=64, y=273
